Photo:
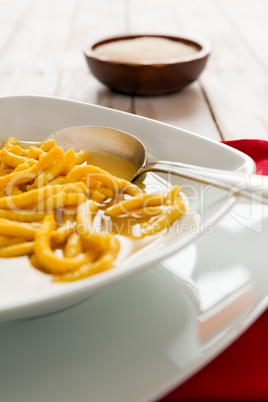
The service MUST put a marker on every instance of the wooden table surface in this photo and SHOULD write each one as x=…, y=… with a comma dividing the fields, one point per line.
x=41, y=44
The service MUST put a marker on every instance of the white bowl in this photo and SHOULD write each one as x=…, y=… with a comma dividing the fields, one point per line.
x=26, y=292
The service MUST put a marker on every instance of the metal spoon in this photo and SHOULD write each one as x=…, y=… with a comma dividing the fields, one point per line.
x=125, y=146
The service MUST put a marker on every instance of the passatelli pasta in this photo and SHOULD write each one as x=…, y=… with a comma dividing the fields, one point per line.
x=67, y=214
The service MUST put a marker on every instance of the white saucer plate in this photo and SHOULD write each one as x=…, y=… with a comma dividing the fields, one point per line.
x=138, y=339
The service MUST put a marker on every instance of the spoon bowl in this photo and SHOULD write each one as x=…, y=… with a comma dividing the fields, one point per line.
x=104, y=140
x=127, y=147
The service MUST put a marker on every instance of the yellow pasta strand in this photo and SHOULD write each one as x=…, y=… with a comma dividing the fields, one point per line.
x=85, y=227
x=13, y=160
x=56, y=168
x=143, y=201
x=10, y=142
x=105, y=178
x=17, y=250
x=48, y=145
x=22, y=216
x=9, y=241
x=47, y=257
x=73, y=246
x=104, y=263
x=17, y=229
x=164, y=221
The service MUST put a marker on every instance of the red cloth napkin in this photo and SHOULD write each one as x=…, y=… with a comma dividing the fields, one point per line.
x=240, y=373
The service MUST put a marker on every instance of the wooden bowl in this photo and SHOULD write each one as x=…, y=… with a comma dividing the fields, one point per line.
x=147, y=77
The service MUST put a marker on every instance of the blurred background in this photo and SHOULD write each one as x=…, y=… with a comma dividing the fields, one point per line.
x=41, y=43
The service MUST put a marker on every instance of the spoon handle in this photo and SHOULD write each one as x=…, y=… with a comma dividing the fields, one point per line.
x=252, y=186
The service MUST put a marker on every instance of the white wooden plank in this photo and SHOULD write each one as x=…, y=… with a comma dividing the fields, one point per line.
x=95, y=19
x=145, y=16
x=187, y=109
x=250, y=20
x=12, y=13
x=33, y=58
x=235, y=83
